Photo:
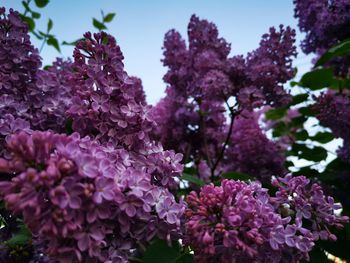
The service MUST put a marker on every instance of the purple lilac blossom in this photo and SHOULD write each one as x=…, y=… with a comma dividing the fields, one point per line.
x=30, y=98
x=333, y=111
x=250, y=151
x=201, y=77
x=240, y=220
x=326, y=23
x=71, y=191
x=107, y=103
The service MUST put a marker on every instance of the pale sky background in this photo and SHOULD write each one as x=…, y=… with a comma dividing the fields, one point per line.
x=139, y=27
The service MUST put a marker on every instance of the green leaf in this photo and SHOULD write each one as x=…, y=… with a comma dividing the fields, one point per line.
x=192, y=179
x=26, y=6
x=275, y=114
x=69, y=126
x=49, y=25
x=306, y=111
x=323, y=137
x=280, y=129
x=54, y=42
x=35, y=15
x=41, y=3
x=29, y=21
x=238, y=176
x=318, y=79
x=334, y=168
x=299, y=99
x=302, y=135
x=340, y=50
x=109, y=17
x=190, y=170
x=73, y=43
x=307, y=171
x=37, y=35
x=294, y=83
x=185, y=258
x=97, y=24
x=20, y=238
x=317, y=255
x=315, y=154
x=340, y=248
x=160, y=252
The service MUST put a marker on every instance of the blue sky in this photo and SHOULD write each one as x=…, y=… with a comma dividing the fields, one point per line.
x=139, y=27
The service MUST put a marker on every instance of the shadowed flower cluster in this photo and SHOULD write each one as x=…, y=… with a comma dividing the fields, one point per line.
x=334, y=112
x=203, y=79
x=251, y=152
x=325, y=23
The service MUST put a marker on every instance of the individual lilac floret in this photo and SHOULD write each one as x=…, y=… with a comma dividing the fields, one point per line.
x=86, y=202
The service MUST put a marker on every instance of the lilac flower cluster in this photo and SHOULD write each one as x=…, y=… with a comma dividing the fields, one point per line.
x=84, y=200
x=192, y=117
x=107, y=102
x=72, y=190
x=110, y=106
x=240, y=220
x=334, y=112
x=19, y=62
x=251, y=152
x=324, y=22
x=30, y=98
x=305, y=200
x=105, y=191
x=53, y=96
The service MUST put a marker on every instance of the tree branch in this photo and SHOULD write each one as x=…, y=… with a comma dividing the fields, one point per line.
x=233, y=115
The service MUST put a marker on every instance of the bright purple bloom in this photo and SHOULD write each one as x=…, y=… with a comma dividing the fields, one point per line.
x=240, y=220
x=60, y=186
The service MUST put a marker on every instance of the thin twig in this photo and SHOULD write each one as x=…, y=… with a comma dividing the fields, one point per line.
x=202, y=129
x=42, y=45
x=233, y=114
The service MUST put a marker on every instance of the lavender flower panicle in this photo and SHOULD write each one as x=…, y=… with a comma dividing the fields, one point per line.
x=240, y=220
x=71, y=191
